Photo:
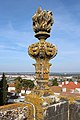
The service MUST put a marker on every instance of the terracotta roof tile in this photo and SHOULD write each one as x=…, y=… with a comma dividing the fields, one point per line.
x=56, y=89
x=11, y=85
x=71, y=85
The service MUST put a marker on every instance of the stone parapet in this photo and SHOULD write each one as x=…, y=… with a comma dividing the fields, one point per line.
x=13, y=112
x=74, y=111
x=58, y=111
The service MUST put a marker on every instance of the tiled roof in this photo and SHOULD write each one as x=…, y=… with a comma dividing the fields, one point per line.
x=56, y=89
x=11, y=85
x=70, y=94
x=71, y=85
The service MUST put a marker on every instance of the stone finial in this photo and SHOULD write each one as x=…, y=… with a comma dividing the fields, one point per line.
x=42, y=51
x=42, y=21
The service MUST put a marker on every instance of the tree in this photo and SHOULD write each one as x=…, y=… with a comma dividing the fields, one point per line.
x=23, y=83
x=27, y=84
x=3, y=90
x=18, y=84
x=18, y=79
x=54, y=82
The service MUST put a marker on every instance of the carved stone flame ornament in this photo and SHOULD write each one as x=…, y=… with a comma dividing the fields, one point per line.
x=42, y=22
x=42, y=51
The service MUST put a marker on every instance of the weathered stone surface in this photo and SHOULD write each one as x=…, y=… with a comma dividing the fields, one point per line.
x=63, y=111
x=74, y=112
x=14, y=114
x=57, y=111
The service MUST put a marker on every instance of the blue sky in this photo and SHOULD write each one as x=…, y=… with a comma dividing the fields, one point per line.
x=16, y=34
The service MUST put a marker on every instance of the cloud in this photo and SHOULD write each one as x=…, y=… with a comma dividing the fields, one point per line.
x=12, y=39
x=66, y=21
x=4, y=48
x=70, y=52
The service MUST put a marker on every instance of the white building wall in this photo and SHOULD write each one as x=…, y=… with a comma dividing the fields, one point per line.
x=23, y=91
x=11, y=88
x=63, y=89
x=28, y=91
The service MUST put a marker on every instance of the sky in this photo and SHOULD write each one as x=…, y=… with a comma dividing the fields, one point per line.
x=16, y=34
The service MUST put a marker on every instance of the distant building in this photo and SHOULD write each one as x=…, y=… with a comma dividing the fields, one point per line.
x=11, y=87
x=71, y=87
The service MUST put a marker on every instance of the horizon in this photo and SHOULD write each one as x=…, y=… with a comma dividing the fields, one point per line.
x=65, y=73
x=16, y=34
